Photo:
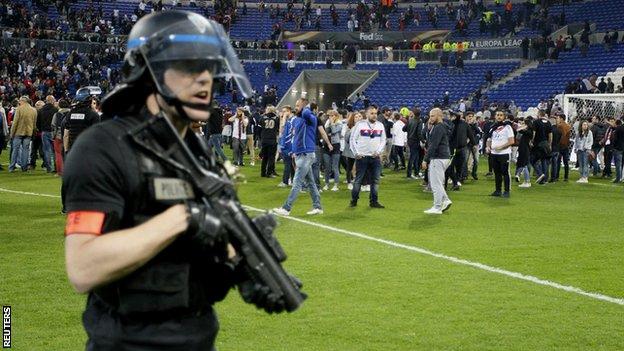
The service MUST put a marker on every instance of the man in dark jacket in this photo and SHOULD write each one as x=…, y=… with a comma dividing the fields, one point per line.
x=44, y=121
x=598, y=130
x=618, y=149
x=414, y=131
x=461, y=135
x=437, y=159
x=555, y=150
x=473, y=145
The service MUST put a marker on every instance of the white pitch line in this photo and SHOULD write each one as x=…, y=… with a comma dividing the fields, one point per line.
x=515, y=275
x=27, y=193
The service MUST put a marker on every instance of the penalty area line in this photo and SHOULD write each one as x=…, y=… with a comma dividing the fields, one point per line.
x=477, y=265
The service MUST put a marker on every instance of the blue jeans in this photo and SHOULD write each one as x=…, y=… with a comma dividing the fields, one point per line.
x=303, y=174
x=413, y=163
x=617, y=157
x=48, y=150
x=554, y=164
x=524, y=172
x=20, y=152
x=316, y=166
x=541, y=167
x=373, y=166
x=332, y=165
x=595, y=164
x=581, y=155
x=215, y=142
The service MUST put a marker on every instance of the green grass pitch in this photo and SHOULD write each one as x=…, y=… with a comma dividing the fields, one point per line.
x=366, y=295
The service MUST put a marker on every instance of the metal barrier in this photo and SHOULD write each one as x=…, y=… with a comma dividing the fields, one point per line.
x=363, y=56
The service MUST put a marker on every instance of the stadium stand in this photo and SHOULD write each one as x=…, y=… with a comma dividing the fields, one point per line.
x=550, y=78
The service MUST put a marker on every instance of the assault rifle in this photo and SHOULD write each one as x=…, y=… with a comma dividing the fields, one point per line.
x=260, y=254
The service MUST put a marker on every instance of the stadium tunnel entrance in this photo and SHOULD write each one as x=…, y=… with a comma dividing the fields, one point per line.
x=328, y=85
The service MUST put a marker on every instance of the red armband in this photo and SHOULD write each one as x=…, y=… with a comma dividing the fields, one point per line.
x=84, y=222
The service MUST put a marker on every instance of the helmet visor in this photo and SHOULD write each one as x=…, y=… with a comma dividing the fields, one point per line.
x=191, y=48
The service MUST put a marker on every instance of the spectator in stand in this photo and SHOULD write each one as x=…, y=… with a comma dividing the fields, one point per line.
x=602, y=86
x=583, y=146
x=22, y=129
x=437, y=160
x=269, y=126
x=367, y=142
x=610, y=86
x=564, y=148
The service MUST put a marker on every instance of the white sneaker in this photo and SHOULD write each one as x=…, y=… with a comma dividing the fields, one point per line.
x=580, y=180
x=350, y=186
x=459, y=184
x=446, y=205
x=335, y=188
x=585, y=180
x=524, y=185
x=281, y=185
x=315, y=211
x=326, y=187
x=252, y=164
x=331, y=180
x=280, y=211
x=433, y=210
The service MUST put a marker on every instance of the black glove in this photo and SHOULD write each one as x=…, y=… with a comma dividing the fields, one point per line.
x=260, y=296
x=204, y=227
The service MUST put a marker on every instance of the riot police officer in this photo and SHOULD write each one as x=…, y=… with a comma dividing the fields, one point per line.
x=82, y=115
x=134, y=240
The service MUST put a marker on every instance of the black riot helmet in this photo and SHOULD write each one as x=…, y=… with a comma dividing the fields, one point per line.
x=179, y=40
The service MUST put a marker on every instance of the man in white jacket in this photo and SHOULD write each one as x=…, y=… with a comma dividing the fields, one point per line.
x=368, y=140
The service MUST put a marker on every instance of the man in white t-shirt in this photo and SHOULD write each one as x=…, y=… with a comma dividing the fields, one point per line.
x=499, y=147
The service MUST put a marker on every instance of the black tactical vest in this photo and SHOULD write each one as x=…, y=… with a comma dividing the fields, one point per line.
x=181, y=279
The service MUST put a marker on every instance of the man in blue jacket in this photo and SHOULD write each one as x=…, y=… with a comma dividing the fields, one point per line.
x=285, y=144
x=303, y=150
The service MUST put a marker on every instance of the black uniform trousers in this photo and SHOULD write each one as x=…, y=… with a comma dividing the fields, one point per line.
x=267, y=153
x=108, y=331
x=500, y=164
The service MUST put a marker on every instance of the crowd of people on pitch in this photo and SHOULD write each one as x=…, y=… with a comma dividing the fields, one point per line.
x=399, y=140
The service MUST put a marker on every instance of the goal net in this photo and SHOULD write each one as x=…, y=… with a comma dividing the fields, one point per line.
x=586, y=106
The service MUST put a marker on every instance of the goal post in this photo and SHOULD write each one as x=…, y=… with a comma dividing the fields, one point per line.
x=586, y=106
